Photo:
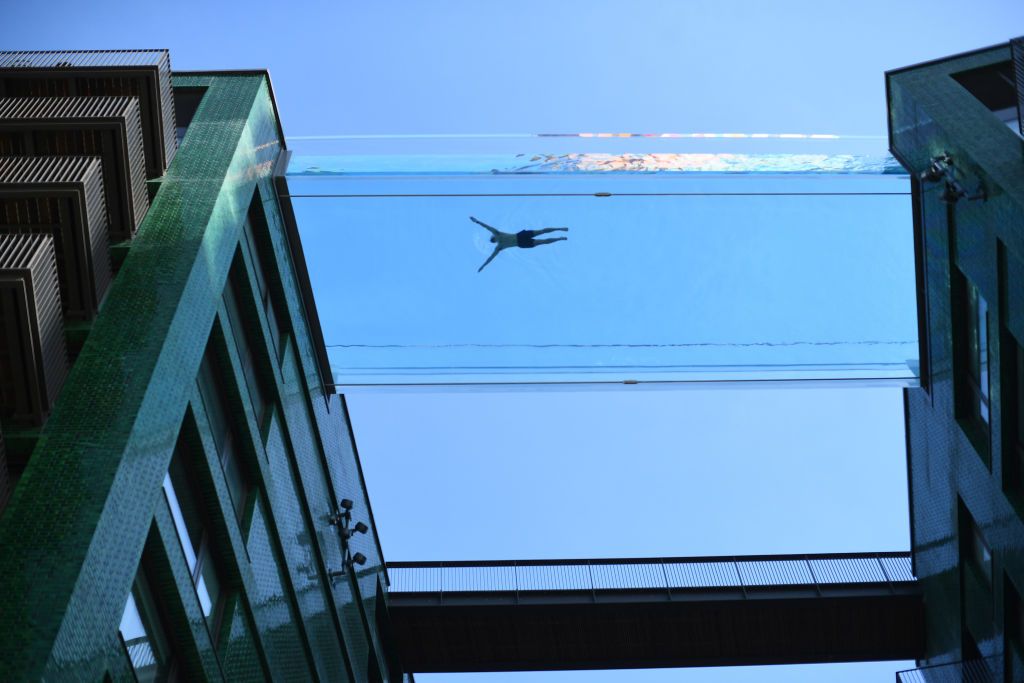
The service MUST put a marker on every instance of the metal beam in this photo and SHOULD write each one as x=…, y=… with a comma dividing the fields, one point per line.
x=654, y=612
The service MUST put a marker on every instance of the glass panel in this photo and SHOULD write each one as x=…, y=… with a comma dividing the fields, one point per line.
x=236, y=480
x=1019, y=394
x=141, y=634
x=1015, y=460
x=981, y=555
x=241, y=335
x=977, y=361
x=260, y=262
x=205, y=601
x=208, y=589
x=632, y=268
x=215, y=402
x=187, y=544
x=983, y=356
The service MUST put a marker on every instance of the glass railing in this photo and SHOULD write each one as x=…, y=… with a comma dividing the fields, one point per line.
x=985, y=670
x=628, y=260
x=668, y=573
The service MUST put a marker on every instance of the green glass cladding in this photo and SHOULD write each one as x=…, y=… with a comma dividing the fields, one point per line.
x=90, y=507
x=962, y=499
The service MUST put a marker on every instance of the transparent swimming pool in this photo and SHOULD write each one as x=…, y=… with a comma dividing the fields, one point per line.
x=676, y=267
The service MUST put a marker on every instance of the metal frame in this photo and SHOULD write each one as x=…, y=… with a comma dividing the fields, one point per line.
x=668, y=575
x=145, y=74
x=32, y=326
x=113, y=126
x=78, y=221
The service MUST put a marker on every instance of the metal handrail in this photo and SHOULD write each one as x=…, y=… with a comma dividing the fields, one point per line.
x=984, y=670
x=643, y=560
x=742, y=573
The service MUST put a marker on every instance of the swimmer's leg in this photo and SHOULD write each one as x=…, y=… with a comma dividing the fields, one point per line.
x=547, y=230
x=549, y=240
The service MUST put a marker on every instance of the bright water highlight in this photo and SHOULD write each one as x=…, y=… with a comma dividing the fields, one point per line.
x=666, y=275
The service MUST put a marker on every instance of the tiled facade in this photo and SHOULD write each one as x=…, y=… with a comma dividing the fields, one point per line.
x=90, y=506
x=961, y=470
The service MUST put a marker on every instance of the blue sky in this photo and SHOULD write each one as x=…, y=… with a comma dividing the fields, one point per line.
x=478, y=475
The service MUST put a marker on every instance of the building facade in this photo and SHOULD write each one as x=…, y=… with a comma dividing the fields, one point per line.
x=185, y=497
x=180, y=493
x=955, y=124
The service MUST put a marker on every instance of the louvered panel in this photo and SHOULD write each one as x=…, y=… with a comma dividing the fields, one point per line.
x=1017, y=50
x=145, y=74
x=64, y=59
x=32, y=349
x=62, y=196
x=108, y=127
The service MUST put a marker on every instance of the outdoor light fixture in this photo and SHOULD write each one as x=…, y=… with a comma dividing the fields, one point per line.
x=342, y=521
x=938, y=168
x=942, y=168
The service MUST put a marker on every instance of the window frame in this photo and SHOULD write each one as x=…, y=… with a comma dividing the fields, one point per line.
x=202, y=555
x=269, y=295
x=972, y=358
x=1013, y=629
x=152, y=621
x=1011, y=359
x=228, y=441
x=256, y=355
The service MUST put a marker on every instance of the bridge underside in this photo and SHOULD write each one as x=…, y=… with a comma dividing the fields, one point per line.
x=656, y=628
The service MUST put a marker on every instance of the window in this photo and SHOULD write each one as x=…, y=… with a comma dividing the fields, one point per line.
x=218, y=412
x=974, y=551
x=142, y=634
x=977, y=349
x=185, y=504
x=972, y=372
x=186, y=103
x=994, y=86
x=1013, y=417
x=1013, y=631
x=241, y=332
x=259, y=252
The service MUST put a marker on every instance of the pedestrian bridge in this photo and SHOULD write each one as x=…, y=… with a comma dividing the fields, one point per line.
x=531, y=615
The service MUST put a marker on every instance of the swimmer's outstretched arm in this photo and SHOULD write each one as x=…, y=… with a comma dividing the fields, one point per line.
x=490, y=258
x=484, y=225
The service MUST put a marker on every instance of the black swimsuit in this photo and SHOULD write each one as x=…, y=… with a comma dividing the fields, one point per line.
x=524, y=239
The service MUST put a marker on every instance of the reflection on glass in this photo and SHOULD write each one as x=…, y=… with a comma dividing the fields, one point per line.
x=218, y=412
x=193, y=536
x=179, y=523
x=972, y=382
x=142, y=636
x=570, y=274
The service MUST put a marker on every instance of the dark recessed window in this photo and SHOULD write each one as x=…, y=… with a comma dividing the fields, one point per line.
x=243, y=332
x=972, y=363
x=259, y=250
x=1013, y=632
x=186, y=103
x=143, y=635
x=994, y=86
x=974, y=551
x=222, y=425
x=186, y=508
x=1013, y=417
